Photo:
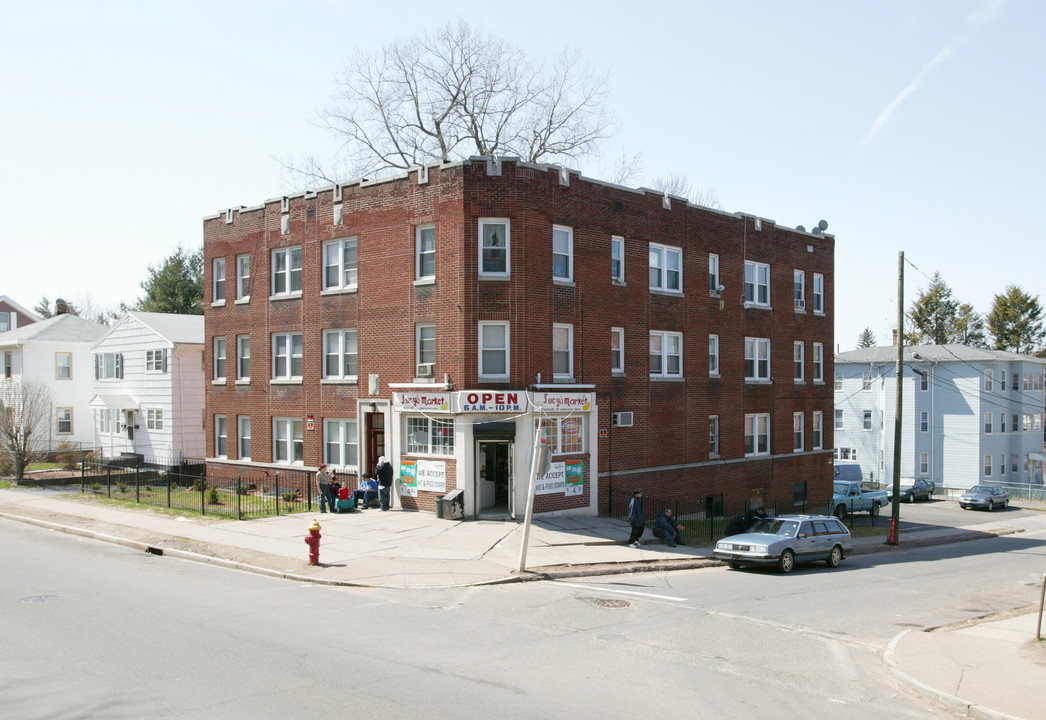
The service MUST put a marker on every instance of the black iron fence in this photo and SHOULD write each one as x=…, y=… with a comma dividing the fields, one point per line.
x=187, y=486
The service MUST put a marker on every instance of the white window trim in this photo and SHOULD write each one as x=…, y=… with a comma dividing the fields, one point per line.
x=342, y=286
x=713, y=436
x=799, y=280
x=618, y=242
x=348, y=429
x=555, y=437
x=417, y=343
x=570, y=351
x=341, y=334
x=58, y=366
x=758, y=419
x=665, y=355
x=818, y=363
x=802, y=432
x=507, y=350
x=663, y=252
x=817, y=428
x=713, y=356
x=154, y=419
x=59, y=412
x=223, y=356
x=620, y=334
x=570, y=253
x=713, y=275
x=216, y=280
x=418, y=276
x=243, y=281
x=801, y=360
x=507, y=272
x=757, y=343
x=818, y=294
x=288, y=293
x=290, y=422
x=241, y=436
x=289, y=377
x=221, y=423
x=240, y=377
x=755, y=302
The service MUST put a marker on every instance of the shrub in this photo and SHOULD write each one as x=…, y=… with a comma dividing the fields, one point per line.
x=242, y=489
x=68, y=456
x=291, y=496
x=212, y=498
x=199, y=484
x=121, y=487
x=96, y=486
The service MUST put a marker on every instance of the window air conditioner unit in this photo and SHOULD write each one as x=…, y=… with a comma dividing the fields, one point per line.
x=426, y=369
x=801, y=304
x=622, y=419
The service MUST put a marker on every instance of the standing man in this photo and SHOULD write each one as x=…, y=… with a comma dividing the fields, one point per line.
x=384, y=474
x=635, y=518
x=323, y=483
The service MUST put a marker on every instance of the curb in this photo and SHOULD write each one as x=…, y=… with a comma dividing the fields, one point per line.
x=939, y=696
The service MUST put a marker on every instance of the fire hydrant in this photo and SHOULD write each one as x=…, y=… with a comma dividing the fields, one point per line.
x=313, y=540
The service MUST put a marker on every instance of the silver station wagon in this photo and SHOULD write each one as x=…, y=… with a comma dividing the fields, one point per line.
x=786, y=540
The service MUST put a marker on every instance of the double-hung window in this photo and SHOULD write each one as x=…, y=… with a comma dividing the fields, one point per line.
x=617, y=350
x=430, y=436
x=713, y=355
x=757, y=359
x=339, y=264
x=155, y=361
x=713, y=436
x=286, y=271
x=154, y=418
x=243, y=436
x=924, y=421
x=221, y=436
x=5, y=321
x=219, y=359
x=494, y=247
x=713, y=274
x=65, y=420
x=63, y=366
x=987, y=466
x=425, y=349
x=666, y=354
x=108, y=366
x=218, y=297
x=757, y=434
x=340, y=444
x=816, y=429
x=866, y=380
x=494, y=350
x=799, y=360
x=988, y=379
x=425, y=247
x=617, y=258
x=243, y=357
x=924, y=463
x=757, y=283
x=666, y=268
x=838, y=379
x=800, y=289
x=243, y=277
x=340, y=354
x=818, y=362
x=562, y=253
x=866, y=419
x=819, y=293
x=563, y=352
x=286, y=356
x=797, y=432
x=838, y=419
x=287, y=441
x=987, y=423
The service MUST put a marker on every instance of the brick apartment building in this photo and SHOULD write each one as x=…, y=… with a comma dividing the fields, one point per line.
x=440, y=317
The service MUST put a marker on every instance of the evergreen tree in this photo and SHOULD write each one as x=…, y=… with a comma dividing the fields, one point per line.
x=1015, y=321
x=44, y=308
x=933, y=315
x=176, y=285
x=969, y=327
x=866, y=339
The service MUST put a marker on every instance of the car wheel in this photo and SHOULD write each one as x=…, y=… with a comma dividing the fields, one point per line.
x=840, y=511
x=874, y=512
x=787, y=562
x=911, y=497
x=734, y=565
x=835, y=557
x=991, y=506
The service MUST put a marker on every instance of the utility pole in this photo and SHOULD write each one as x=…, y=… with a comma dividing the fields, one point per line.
x=539, y=464
x=895, y=519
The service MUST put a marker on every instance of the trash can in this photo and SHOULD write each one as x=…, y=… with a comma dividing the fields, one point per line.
x=439, y=508
x=454, y=505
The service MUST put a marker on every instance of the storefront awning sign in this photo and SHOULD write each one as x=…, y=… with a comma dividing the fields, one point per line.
x=423, y=402
x=562, y=402
x=508, y=401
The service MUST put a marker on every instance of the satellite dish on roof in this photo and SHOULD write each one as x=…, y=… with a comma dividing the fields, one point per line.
x=800, y=228
x=816, y=231
x=823, y=224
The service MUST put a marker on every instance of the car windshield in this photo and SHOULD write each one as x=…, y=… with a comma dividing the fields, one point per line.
x=773, y=526
x=979, y=490
x=842, y=488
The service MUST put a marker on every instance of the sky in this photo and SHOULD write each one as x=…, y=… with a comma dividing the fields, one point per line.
x=910, y=126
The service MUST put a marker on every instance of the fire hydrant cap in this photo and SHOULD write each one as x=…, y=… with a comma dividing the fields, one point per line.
x=315, y=526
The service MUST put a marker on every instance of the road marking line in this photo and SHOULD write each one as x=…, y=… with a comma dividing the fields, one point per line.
x=600, y=588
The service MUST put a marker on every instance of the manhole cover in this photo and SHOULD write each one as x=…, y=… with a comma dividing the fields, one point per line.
x=40, y=599
x=601, y=602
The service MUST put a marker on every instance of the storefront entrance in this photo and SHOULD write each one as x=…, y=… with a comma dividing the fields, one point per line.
x=494, y=478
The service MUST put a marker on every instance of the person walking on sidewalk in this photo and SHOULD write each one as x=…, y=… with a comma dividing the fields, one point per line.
x=635, y=518
x=323, y=483
x=384, y=474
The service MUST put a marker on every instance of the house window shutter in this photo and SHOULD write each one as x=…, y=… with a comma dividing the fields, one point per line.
x=97, y=362
x=119, y=365
x=165, y=360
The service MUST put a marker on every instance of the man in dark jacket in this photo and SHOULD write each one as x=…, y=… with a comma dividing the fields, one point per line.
x=668, y=528
x=742, y=523
x=635, y=518
x=384, y=475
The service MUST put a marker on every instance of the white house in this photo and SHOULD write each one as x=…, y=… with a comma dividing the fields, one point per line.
x=149, y=387
x=969, y=415
x=56, y=352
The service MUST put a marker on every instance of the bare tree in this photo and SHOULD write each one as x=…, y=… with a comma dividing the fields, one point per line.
x=25, y=414
x=679, y=185
x=455, y=92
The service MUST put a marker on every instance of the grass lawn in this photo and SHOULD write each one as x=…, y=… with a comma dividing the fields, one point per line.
x=183, y=500
x=43, y=466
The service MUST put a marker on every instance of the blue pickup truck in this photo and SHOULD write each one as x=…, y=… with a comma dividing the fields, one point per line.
x=851, y=496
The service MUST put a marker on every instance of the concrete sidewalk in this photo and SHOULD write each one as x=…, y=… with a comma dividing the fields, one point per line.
x=991, y=669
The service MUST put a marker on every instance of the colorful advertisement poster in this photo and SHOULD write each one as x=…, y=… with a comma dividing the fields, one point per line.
x=562, y=477
x=575, y=477
x=408, y=478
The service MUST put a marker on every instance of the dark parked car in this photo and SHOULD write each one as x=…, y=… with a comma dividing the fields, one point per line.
x=988, y=497
x=914, y=490
x=787, y=540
